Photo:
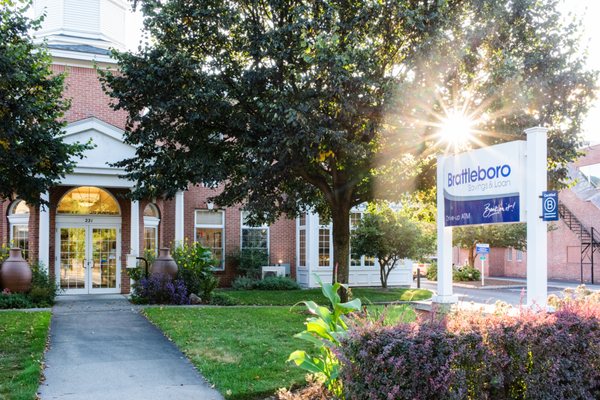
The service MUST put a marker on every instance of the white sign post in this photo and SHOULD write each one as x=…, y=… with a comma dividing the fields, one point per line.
x=492, y=185
x=537, y=231
x=483, y=249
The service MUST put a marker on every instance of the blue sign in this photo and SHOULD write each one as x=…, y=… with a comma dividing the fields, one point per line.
x=486, y=210
x=482, y=248
x=550, y=205
x=483, y=186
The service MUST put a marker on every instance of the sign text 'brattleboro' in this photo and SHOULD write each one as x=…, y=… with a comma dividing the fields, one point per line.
x=485, y=186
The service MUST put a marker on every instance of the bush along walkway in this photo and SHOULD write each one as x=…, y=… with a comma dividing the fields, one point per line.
x=102, y=348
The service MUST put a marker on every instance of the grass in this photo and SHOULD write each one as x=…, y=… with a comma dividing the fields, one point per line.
x=291, y=297
x=22, y=342
x=243, y=350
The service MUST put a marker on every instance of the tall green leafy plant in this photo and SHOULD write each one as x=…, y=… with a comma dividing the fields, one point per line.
x=325, y=330
x=195, y=267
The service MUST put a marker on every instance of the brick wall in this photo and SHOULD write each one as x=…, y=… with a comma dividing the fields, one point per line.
x=88, y=99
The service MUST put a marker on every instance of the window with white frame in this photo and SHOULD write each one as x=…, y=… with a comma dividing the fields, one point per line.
x=355, y=260
x=254, y=237
x=324, y=243
x=509, y=252
x=210, y=232
x=302, y=240
x=519, y=255
x=18, y=218
x=151, y=223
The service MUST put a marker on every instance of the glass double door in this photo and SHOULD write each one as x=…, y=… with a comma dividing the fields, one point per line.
x=89, y=259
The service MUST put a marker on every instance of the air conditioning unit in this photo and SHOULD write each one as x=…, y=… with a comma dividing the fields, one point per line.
x=272, y=271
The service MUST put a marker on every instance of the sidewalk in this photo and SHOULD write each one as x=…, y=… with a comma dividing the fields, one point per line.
x=556, y=284
x=102, y=348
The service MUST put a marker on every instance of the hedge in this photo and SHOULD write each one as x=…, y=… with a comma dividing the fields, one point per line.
x=469, y=356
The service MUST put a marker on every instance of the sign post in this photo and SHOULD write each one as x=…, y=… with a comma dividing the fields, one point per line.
x=537, y=233
x=492, y=185
x=483, y=249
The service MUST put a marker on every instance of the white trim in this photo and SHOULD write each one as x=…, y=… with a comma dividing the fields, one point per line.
x=134, y=235
x=179, y=218
x=93, y=123
x=212, y=226
x=44, y=233
x=106, y=223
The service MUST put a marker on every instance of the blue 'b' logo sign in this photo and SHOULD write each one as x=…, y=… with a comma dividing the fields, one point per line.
x=550, y=205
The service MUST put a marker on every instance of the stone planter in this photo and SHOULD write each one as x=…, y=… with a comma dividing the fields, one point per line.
x=15, y=274
x=164, y=264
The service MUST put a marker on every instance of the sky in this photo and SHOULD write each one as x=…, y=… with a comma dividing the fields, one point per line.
x=587, y=10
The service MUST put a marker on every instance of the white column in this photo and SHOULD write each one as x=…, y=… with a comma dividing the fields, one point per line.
x=134, y=245
x=44, y=233
x=537, y=234
x=179, y=217
x=444, y=244
x=312, y=247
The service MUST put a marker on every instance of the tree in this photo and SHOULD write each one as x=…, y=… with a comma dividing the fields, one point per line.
x=33, y=156
x=509, y=235
x=389, y=236
x=324, y=105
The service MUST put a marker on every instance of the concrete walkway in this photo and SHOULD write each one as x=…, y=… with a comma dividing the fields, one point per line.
x=102, y=348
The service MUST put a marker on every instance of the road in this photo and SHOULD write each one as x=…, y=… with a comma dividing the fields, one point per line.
x=514, y=296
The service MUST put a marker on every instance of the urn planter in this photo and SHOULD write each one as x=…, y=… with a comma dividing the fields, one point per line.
x=15, y=274
x=164, y=264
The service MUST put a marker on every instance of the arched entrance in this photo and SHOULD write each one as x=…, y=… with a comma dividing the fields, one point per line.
x=88, y=242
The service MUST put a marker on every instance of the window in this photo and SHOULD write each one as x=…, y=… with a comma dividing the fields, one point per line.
x=18, y=218
x=519, y=255
x=88, y=200
x=509, y=252
x=302, y=240
x=302, y=247
x=151, y=223
x=210, y=232
x=254, y=237
x=324, y=243
x=356, y=260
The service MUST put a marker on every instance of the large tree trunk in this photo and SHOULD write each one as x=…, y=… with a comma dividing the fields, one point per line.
x=340, y=217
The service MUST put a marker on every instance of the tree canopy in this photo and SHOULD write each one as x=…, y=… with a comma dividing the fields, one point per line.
x=296, y=104
x=33, y=156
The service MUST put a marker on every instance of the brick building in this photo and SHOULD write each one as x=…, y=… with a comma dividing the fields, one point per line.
x=91, y=232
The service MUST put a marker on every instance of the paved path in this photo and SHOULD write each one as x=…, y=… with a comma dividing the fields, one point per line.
x=514, y=295
x=102, y=348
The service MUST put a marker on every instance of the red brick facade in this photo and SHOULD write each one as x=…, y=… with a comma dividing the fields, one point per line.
x=88, y=100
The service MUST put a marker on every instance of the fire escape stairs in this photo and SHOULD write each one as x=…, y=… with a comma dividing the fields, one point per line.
x=589, y=239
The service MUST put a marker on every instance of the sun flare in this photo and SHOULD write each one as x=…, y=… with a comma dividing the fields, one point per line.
x=456, y=130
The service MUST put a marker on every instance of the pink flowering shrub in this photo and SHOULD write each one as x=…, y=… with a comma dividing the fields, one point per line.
x=472, y=356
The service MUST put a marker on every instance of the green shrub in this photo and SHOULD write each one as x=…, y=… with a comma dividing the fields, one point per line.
x=269, y=283
x=462, y=274
x=14, y=300
x=465, y=274
x=223, y=299
x=277, y=283
x=195, y=267
x=249, y=262
x=432, y=272
x=43, y=289
x=243, y=283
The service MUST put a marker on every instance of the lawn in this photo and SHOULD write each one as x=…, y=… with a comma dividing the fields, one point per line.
x=22, y=343
x=291, y=297
x=242, y=350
